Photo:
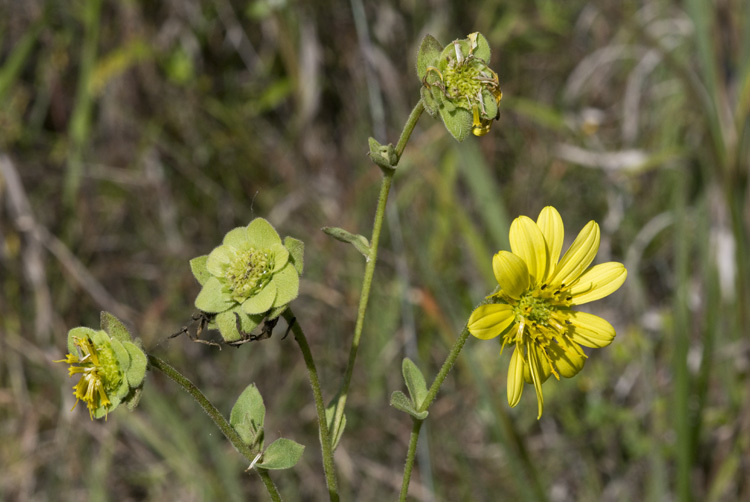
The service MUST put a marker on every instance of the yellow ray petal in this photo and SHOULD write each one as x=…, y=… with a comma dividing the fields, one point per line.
x=527, y=241
x=544, y=368
x=567, y=357
x=579, y=256
x=511, y=273
x=551, y=224
x=488, y=321
x=535, y=366
x=590, y=330
x=515, y=377
x=598, y=282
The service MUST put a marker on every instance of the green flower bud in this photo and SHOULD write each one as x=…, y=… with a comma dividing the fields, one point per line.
x=252, y=275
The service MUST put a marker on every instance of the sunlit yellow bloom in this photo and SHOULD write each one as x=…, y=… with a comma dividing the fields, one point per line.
x=532, y=308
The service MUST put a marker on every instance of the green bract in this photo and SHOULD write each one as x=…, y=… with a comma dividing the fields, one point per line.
x=458, y=84
x=251, y=276
x=112, y=366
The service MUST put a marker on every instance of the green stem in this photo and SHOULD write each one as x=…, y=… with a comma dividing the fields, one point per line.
x=217, y=418
x=411, y=122
x=417, y=425
x=385, y=188
x=270, y=485
x=326, y=444
x=445, y=369
x=431, y=395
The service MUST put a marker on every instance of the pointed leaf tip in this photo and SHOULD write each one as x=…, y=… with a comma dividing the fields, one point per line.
x=359, y=242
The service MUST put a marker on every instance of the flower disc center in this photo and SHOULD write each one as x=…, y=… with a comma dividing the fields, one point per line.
x=534, y=309
x=248, y=272
x=461, y=82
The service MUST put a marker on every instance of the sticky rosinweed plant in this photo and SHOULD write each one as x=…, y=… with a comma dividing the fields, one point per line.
x=250, y=280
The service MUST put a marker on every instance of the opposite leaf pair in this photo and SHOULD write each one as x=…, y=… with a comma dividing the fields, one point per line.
x=247, y=418
x=415, y=384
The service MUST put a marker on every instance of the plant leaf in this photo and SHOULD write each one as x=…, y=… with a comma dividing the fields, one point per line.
x=383, y=155
x=138, y=364
x=226, y=322
x=482, y=49
x=114, y=327
x=458, y=121
x=287, y=284
x=360, y=242
x=248, y=415
x=403, y=403
x=261, y=233
x=431, y=105
x=296, y=252
x=281, y=454
x=429, y=51
x=414, y=382
x=212, y=299
x=335, y=435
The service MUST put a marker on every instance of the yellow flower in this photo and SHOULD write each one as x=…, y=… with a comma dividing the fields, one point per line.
x=100, y=373
x=532, y=308
x=111, y=364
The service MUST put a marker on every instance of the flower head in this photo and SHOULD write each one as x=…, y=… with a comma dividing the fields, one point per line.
x=111, y=366
x=532, y=310
x=252, y=275
x=458, y=83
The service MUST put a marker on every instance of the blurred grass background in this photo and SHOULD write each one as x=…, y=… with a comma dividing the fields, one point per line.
x=133, y=135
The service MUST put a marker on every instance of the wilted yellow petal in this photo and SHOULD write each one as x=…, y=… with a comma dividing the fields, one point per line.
x=511, y=273
x=488, y=321
x=527, y=241
x=515, y=377
x=598, y=282
x=535, y=365
x=544, y=369
x=590, y=330
x=579, y=256
x=551, y=224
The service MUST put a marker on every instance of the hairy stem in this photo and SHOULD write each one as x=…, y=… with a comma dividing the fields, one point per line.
x=417, y=425
x=444, y=370
x=270, y=485
x=217, y=418
x=429, y=398
x=385, y=188
x=326, y=444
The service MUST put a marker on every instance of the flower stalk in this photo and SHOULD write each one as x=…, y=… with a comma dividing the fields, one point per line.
x=326, y=444
x=431, y=395
x=385, y=188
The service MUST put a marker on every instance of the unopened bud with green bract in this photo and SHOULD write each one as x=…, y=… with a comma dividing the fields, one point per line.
x=112, y=366
x=458, y=84
x=250, y=277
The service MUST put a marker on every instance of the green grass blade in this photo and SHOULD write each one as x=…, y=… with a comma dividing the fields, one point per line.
x=80, y=121
x=18, y=57
x=485, y=193
x=681, y=339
